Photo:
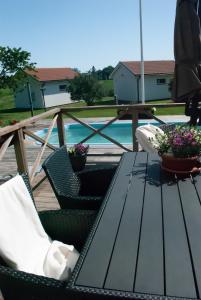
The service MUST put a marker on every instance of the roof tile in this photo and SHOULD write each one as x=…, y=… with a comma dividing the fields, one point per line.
x=49, y=74
x=151, y=67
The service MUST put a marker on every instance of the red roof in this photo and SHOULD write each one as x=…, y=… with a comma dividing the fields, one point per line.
x=151, y=67
x=49, y=74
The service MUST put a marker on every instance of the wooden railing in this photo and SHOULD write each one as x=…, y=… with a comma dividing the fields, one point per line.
x=15, y=134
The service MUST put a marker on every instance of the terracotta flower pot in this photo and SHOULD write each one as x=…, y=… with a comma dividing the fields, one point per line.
x=78, y=162
x=177, y=165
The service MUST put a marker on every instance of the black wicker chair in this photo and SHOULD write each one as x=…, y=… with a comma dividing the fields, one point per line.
x=167, y=127
x=81, y=190
x=68, y=226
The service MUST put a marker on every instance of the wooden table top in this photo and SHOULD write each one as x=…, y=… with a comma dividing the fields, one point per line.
x=146, y=241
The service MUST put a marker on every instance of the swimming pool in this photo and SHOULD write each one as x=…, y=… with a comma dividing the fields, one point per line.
x=74, y=133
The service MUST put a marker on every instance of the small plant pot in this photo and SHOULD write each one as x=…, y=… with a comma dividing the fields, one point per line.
x=78, y=162
x=177, y=165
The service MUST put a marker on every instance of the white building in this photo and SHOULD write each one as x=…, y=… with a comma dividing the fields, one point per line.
x=48, y=87
x=126, y=78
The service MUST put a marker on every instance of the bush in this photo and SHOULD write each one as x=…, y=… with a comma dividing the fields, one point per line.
x=111, y=93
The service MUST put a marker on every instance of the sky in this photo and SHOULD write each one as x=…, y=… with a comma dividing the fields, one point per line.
x=85, y=33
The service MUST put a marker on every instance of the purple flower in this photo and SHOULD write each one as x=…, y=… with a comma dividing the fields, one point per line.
x=78, y=149
x=182, y=142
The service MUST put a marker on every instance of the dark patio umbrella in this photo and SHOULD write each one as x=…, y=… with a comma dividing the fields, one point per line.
x=187, y=50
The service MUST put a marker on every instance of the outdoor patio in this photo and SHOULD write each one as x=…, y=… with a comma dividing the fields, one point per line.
x=20, y=154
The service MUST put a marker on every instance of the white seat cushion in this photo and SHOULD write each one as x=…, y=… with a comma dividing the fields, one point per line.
x=146, y=137
x=24, y=244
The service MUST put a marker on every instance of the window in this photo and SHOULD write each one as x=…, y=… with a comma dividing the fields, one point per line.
x=161, y=81
x=62, y=87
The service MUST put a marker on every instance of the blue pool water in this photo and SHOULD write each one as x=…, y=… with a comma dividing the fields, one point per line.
x=74, y=133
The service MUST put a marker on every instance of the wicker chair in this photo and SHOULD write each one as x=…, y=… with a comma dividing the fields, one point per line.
x=167, y=127
x=81, y=190
x=68, y=226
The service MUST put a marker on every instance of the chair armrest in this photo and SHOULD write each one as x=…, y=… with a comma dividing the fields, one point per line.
x=68, y=226
x=96, y=182
x=21, y=285
x=79, y=202
x=167, y=127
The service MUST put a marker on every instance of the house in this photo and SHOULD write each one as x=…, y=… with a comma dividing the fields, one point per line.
x=127, y=81
x=46, y=87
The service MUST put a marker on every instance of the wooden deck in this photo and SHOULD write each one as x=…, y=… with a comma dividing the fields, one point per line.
x=44, y=197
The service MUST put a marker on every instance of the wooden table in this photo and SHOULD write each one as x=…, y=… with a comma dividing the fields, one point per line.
x=146, y=241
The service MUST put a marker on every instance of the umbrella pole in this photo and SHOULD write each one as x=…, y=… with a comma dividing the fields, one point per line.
x=192, y=110
x=142, y=58
x=198, y=5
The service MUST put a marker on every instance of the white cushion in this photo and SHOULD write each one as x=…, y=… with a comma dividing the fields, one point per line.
x=24, y=244
x=146, y=137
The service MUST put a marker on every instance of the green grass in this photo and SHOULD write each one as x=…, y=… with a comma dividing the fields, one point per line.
x=167, y=111
x=107, y=84
x=6, y=99
x=8, y=111
x=96, y=112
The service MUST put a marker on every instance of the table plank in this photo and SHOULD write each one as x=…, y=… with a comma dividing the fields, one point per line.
x=178, y=268
x=94, y=268
x=150, y=273
x=192, y=215
x=122, y=266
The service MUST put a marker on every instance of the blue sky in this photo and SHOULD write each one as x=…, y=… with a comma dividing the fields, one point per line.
x=83, y=33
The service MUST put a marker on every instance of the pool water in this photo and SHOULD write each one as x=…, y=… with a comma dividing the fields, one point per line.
x=74, y=133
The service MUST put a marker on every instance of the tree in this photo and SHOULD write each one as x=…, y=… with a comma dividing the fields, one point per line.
x=92, y=72
x=85, y=87
x=103, y=74
x=106, y=72
x=99, y=74
x=13, y=63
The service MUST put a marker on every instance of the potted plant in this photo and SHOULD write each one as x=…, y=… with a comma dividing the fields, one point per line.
x=78, y=156
x=179, y=149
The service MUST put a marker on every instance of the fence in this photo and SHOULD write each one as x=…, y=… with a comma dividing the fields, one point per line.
x=15, y=134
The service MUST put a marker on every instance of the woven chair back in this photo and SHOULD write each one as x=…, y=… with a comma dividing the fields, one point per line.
x=59, y=171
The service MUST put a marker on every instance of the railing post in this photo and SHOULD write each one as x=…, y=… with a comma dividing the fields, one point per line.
x=20, y=152
x=134, y=127
x=61, y=130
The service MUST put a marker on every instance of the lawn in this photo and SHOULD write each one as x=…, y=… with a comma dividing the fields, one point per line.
x=107, y=87
x=167, y=111
x=8, y=111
